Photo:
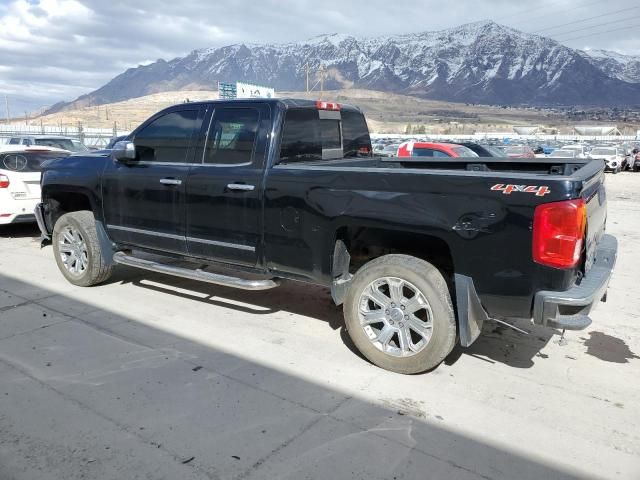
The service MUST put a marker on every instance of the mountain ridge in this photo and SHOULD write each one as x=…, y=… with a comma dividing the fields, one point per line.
x=480, y=62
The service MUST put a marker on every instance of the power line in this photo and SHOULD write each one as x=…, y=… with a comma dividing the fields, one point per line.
x=611, y=30
x=526, y=11
x=561, y=11
x=598, y=25
x=586, y=19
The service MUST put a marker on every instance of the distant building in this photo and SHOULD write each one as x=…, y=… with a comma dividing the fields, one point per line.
x=525, y=129
x=597, y=130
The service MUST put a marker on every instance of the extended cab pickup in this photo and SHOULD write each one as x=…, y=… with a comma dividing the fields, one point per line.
x=420, y=251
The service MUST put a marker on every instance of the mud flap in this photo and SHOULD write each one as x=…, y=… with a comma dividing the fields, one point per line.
x=471, y=315
x=341, y=276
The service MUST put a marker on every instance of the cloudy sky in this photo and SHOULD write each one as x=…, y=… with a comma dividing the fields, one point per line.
x=52, y=50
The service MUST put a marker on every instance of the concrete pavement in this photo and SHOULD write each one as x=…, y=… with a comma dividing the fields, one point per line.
x=153, y=377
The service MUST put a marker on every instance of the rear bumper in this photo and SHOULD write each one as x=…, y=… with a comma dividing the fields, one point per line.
x=16, y=218
x=570, y=309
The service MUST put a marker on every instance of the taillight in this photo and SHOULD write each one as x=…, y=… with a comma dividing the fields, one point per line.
x=558, y=233
x=320, y=105
x=4, y=181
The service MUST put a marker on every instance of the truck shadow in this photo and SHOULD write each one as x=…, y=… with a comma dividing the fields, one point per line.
x=20, y=230
x=500, y=344
x=496, y=344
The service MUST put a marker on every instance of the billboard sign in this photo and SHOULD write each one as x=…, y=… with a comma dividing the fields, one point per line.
x=246, y=90
x=227, y=91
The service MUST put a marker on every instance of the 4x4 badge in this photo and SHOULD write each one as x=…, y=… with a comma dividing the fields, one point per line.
x=507, y=189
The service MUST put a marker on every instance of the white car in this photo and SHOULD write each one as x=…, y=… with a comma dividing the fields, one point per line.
x=613, y=157
x=20, y=180
x=581, y=150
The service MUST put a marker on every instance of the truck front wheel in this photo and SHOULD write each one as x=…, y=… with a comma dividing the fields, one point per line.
x=398, y=313
x=77, y=250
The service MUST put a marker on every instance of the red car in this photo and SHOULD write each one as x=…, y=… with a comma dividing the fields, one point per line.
x=436, y=150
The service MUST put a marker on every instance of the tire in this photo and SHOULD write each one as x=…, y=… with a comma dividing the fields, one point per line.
x=77, y=250
x=420, y=353
x=616, y=170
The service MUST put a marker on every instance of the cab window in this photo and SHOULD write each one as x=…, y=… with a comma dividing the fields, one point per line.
x=167, y=138
x=232, y=136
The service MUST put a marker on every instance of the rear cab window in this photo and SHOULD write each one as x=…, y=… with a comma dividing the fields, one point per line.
x=311, y=134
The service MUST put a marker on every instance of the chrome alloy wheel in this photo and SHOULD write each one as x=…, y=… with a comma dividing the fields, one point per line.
x=396, y=316
x=73, y=251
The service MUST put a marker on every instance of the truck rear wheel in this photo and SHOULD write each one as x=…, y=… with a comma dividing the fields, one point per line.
x=398, y=313
x=78, y=251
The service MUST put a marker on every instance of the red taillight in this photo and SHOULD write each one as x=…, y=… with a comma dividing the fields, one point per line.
x=4, y=181
x=320, y=105
x=558, y=232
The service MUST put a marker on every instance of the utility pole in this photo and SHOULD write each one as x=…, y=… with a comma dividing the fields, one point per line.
x=321, y=73
x=6, y=104
x=306, y=68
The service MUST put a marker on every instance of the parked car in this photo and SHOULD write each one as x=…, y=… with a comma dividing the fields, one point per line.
x=614, y=158
x=390, y=150
x=79, y=147
x=519, y=151
x=434, y=150
x=635, y=159
x=419, y=254
x=20, y=180
x=63, y=143
x=563, y=154
x=582, y=151
x=483, y=150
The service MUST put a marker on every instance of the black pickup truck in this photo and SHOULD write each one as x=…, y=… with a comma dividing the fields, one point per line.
x=419, y=251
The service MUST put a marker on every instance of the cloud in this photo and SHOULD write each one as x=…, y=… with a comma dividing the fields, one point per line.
x=52, y=50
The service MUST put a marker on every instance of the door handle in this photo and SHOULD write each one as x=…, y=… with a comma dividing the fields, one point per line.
x=170, y=181
x=241, y=186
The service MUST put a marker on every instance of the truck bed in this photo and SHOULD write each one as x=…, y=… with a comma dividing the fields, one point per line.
x=550, y=167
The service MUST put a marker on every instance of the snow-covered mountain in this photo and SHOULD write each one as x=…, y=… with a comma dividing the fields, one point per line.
x=480, y=62
x=617, y=65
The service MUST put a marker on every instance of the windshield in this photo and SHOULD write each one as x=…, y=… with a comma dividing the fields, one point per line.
x=63, y=143
x=80, y=147
x=26, y=161
x=603, y=151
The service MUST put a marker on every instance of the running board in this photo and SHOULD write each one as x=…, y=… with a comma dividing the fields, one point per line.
x=199, y=275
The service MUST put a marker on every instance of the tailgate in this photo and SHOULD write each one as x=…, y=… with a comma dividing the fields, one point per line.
x=594, y=194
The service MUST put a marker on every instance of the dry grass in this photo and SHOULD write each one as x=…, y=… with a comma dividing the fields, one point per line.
x=386, y=112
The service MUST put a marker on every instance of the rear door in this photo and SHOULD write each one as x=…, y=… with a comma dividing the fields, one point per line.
x=224, y=191
x=144, y=200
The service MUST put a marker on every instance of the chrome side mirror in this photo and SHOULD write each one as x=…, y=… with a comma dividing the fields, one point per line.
x=124, y=152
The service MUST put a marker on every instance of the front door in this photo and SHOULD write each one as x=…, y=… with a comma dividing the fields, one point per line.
x=224, y=193
x=144, y=200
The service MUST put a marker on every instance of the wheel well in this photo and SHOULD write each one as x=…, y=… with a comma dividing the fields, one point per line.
x=65, y=202
x=365, y=244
